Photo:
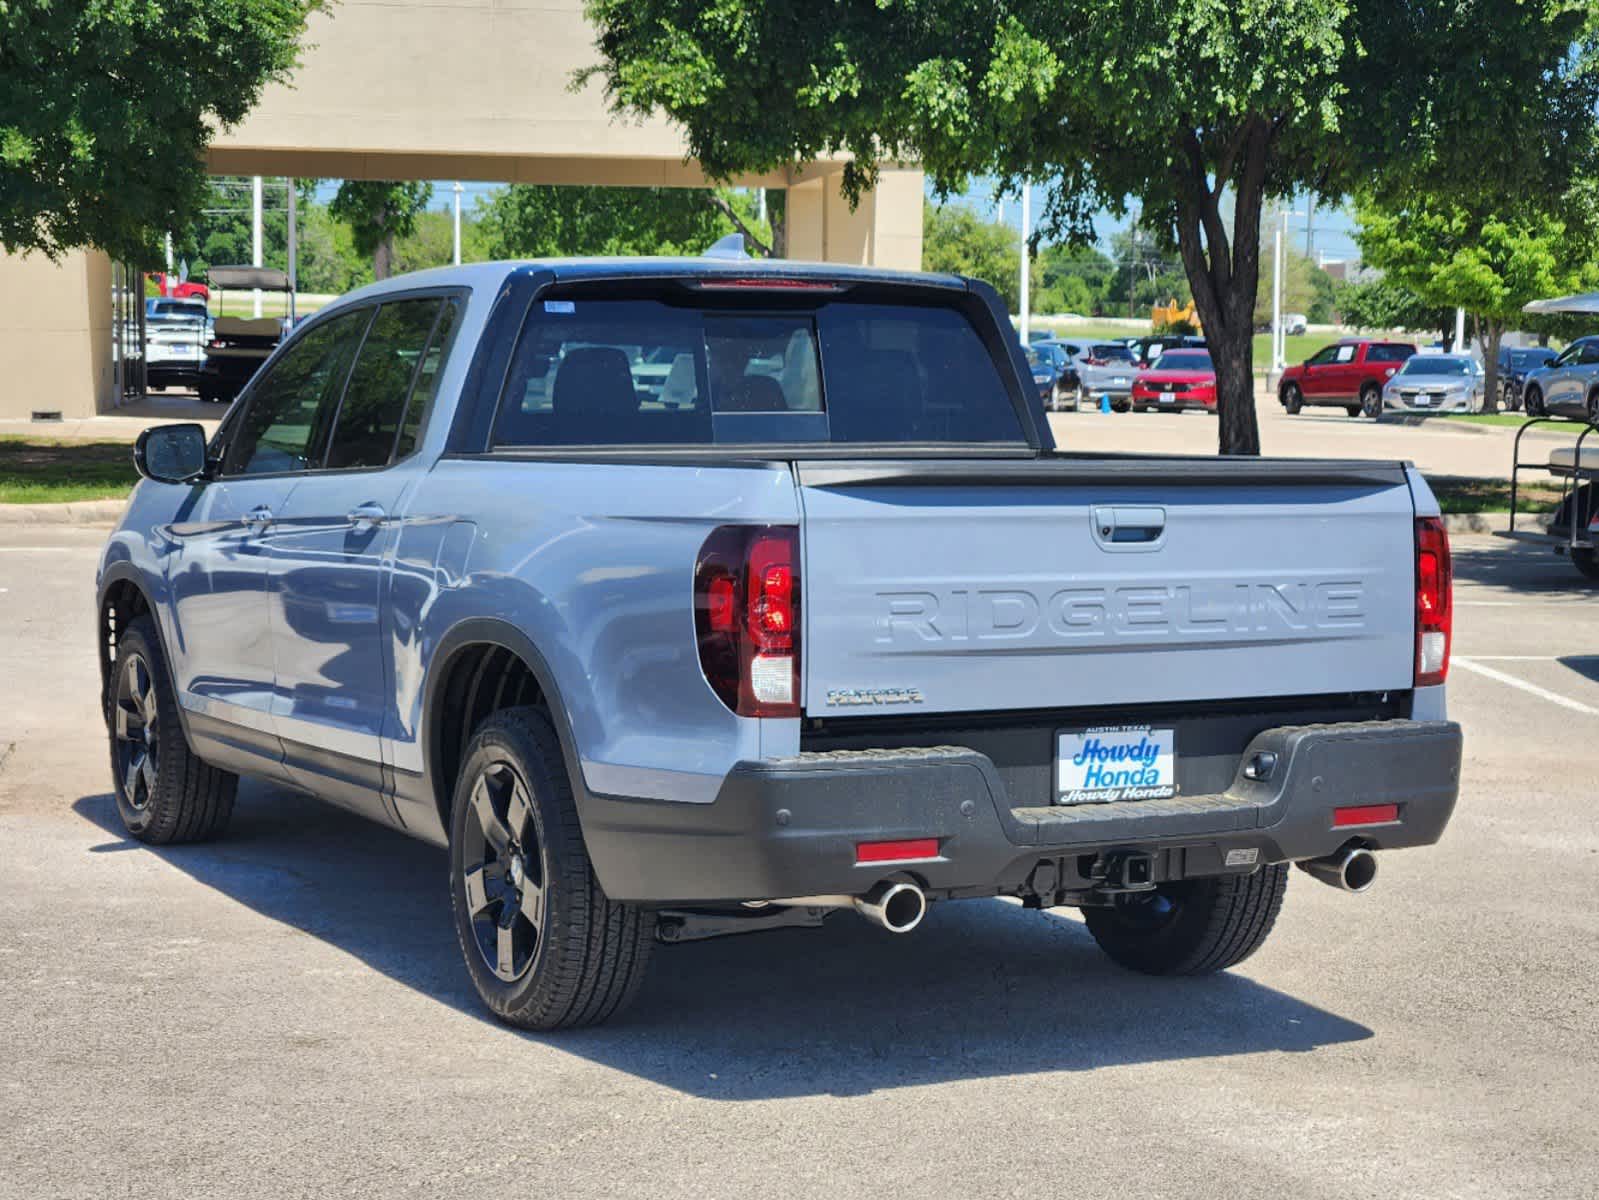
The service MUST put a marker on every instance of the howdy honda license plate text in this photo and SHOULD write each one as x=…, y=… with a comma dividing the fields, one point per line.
x=1121, y=762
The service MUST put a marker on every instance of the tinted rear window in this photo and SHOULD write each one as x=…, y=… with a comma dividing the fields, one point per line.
x=1185, y=360
x=1117, y=353
x=644, y=372
x=1388, y=352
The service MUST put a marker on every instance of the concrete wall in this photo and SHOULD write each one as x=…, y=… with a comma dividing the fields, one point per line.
x=55, y=335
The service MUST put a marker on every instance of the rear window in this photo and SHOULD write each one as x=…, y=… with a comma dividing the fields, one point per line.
x=644, y=372
x=1388, y=352
x=1113, y=351
x=1185, y=360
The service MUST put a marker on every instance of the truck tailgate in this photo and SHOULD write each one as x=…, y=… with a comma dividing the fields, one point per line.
x=982, y=586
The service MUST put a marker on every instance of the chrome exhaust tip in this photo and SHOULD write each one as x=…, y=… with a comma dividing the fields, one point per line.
x=1352, y=869
x=896, y=905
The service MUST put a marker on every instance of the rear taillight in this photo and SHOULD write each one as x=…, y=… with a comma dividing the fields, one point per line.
x=1434, y=601
x=746, y=618
x=1099, y=362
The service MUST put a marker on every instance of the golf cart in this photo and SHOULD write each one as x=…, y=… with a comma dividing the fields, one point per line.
x=239, y=345
x=1575, y=528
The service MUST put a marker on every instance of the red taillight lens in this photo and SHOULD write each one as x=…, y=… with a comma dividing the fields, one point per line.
x=1099, y=362
x=1434, y=601
x=746, y=617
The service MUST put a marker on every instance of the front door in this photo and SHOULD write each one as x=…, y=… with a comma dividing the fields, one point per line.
x=330, y=551
x=221, y=637
x=1318, y=372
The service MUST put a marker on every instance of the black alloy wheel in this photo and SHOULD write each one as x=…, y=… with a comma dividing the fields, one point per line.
x=136, y=733
x=505, y=872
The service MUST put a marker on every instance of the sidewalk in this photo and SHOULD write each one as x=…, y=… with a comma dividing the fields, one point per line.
x=125, y=423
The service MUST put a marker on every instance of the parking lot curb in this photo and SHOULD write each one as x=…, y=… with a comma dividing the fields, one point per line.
x=77, y=512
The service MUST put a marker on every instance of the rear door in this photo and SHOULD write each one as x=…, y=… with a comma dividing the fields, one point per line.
x=1062, y=583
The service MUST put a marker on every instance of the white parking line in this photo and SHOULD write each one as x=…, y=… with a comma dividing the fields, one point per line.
x=42, y=549
x=1523, y=685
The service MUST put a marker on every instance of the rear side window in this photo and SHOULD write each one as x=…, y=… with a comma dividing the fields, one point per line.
x=427, y=379
x=644, y=372
x=1388, y=352
x=374, y=400
x=285, y=426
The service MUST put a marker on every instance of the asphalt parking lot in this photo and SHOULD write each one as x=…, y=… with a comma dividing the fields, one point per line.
x=284, y=1013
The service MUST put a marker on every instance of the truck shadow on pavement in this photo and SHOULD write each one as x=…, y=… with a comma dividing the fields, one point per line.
x=982, y=989
x=1519, y=568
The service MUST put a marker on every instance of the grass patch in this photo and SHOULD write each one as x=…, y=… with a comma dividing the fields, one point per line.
x=1457, y=494
x=48, y=471
x=1510, y=420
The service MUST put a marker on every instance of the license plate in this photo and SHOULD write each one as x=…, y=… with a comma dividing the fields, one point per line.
x=1168, y=398
x=1120, y=381
x=1117, y=762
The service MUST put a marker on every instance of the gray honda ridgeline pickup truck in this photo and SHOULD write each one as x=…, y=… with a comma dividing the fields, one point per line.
x=680, y=598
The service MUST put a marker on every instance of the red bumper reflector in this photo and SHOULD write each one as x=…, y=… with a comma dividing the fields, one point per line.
x=1366, y=814
x=876, y=852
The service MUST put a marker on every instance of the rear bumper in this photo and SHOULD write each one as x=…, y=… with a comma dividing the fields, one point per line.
x=789, y=827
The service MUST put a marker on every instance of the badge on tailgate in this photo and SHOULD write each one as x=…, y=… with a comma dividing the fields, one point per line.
x=1117, y=762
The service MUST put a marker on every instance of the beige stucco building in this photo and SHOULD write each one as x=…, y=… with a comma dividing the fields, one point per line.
x=427, y=89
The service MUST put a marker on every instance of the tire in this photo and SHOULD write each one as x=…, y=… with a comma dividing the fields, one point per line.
x=1192, y=927
x=1293, y=399
x=1370, y=401
x=1352, y=409
x=567, y=956
x=1532, y=399
x=164, y=793
x=1507, y=399
x=1082, y=396
x=1120, y=406
x=1587, y=562
x=1593, y=407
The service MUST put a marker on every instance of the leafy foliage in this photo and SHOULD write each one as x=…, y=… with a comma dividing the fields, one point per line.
x=106, y=108
x=1178, y=104
x=1382, y=303
x=1488, y=261
x=957, y=241
x=534, y=221
x=377, y=212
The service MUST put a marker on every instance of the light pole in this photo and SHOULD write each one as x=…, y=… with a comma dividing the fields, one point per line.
x=1027, y=221
x=294, y=252
x=255, y=237
x=457, y=190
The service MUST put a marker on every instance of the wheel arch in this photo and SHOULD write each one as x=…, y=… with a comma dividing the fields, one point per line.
x=481, y=666
x=123, y=598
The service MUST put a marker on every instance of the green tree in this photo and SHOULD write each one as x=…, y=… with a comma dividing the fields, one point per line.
x=378, y=212
x=1382, y=304
x=957, y=241
x=536, y=221
x=107, y=106
x=1306, y=289
x=1197, y=109
x=1488, y=261
x=1072, y=278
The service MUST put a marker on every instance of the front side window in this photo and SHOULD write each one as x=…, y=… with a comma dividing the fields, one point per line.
x=375, y=399
x=1322, y=357
x=291, y=407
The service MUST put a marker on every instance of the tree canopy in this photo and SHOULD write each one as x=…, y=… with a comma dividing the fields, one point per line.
x=533, y=221
x=378, y=211
x=1488, y=261
x=107, y=106
x=1195, y=109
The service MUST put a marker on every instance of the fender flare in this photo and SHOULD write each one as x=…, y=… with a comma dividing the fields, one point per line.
x=477, y=631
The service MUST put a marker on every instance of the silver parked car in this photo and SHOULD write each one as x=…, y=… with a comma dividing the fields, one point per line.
x=1567, y=387
x=1106, y=369
x=1435, y=383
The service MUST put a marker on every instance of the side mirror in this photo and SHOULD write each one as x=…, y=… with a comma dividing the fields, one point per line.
x=171, y=453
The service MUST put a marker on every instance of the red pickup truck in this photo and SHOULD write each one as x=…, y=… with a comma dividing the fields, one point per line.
x=1349, y=375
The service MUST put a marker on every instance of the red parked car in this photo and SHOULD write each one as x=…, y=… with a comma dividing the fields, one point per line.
x=1347, y=375
x=184, y=290
x=1179, y=379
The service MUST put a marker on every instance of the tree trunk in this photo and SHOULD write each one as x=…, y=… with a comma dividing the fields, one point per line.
x=1224, y=276
x=383, y=257
x=1490, y=363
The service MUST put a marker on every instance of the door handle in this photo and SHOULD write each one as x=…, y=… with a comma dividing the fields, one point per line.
x=258, y=517
x=367, y=514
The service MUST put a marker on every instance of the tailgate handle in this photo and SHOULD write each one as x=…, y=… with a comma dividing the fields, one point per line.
x=1129, y=526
